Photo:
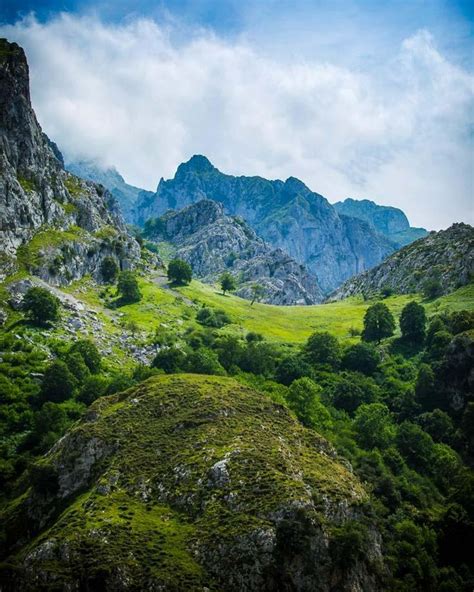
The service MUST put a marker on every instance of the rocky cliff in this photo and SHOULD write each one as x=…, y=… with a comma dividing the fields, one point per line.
x=212, y=242
x=125, y=194
x=285, y=214
x=446, y=257
x=51, y=222
x=386, y=220
x=189, y=483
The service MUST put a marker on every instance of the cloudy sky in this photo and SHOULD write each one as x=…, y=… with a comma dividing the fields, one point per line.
x=358, y=98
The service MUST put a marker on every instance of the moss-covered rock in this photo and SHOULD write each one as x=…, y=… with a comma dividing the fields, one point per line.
x=183, y=483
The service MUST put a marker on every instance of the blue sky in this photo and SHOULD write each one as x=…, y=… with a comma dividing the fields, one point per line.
x=365, y=99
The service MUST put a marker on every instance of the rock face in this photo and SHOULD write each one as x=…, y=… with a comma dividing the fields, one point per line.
x=389, y=221
x=212, y=243
x=125, y=194
x=447, y=255
x=285, y=214
x=36, y=193
x=189, y=483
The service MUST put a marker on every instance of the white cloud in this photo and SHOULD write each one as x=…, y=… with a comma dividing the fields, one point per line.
x=131, y=96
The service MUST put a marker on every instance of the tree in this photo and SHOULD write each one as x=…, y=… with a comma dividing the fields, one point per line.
x=94, y=387
x=378, y=323
x=413, y=322
x=432, y=288
x=170, y=360
x=415, y=445
x=374, y=425
x=304, y=398
x=179, y=272
x=109, y=270
x=127, y=288
x=361, y=357
x=41, y=306
x=352, y=390
x=89, y=353
x=58, y=382
x=291, y=368
x=77, y=366
x=258, y=292
x=205, y=361
x=425, y=387
x=212, y=318
x=227, y=283
x=322, y=348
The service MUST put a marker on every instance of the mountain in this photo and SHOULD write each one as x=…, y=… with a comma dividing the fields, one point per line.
x=286, y=214
x=212, y=243
x=53, y=224
x=125, y=194
x=389, y=221
x=446, y=256
x=219, y=488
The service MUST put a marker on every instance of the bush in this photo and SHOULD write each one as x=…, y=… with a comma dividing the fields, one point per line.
x=170, y=360
x=361, y=357
x=41, y=306
x=77, y=366
x=322, y=348
x=350, y=391
x=58, y=382
x=95, y=386
x=179, y=272
x=378, y=323
x=109, y=270
x=127, y=288
x=413, y=322
x=89, y=353
x=205, y=361
x=212, y=318
x=348, y=544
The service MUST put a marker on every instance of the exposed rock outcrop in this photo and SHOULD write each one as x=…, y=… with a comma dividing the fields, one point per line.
x=446, y=257
x=36, y=193
x=212, y=243
x=389, y=221
x=192, y=483
x=287, y=215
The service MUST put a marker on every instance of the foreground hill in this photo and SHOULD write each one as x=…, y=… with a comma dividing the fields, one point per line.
x=389, y=221
x=445, y=257
x=212, y=243
x=53, y=223
x=218, y=487
x=285, y=214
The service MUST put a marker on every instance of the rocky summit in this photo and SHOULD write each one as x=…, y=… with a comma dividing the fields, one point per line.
x=189, y=483
x=287, y=215
x=53, y=224
x=389, y=221
x=212, y=242
x=444, y=257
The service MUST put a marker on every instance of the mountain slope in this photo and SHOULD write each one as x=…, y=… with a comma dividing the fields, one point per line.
x=212, y=243
x=285, y=214
x=389, y=221
x=218, y=487
x=72, y=223
x=125, y=194
x=447, y=256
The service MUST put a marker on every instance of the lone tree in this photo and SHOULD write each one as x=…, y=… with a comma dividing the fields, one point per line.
x=109, y=270
x=258, y=292
x=432, y=288
x=413, y=322
x=41, y=306
x=127, y=287
x=378, y=323
x=179, y=272
x=227, y=283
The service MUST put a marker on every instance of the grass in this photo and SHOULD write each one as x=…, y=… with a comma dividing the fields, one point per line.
x=27, y=184
x=29, y=255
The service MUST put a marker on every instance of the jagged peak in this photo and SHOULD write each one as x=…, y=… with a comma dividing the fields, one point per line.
x=197, y=164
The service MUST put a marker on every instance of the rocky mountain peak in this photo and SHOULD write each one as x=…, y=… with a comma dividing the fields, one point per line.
x=196, y=164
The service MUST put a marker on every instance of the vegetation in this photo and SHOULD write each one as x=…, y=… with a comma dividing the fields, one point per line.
x=109, y=270
x=378, y=323
x=179, y=272
x=227, y=283
x=127, y=288
x=41, y=306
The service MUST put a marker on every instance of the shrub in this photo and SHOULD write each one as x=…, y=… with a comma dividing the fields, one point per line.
x=127, y=288
x=109, y=270
x=291, y=368
x=374, y=425
x=41, y=306
x=205, y=361
x=170, y=360
x=77, y=366
x=179, y=272
x=212, y=318
x=304, y=398
x=95, y=386
x=432, y=288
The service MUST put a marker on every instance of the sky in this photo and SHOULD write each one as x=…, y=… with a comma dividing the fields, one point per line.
x=357, y=98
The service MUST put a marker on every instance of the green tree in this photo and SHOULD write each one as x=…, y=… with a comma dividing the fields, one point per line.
x=77, y=366
x=304, y=398
x=351, y=390
x=378, y=323
x=170, y=360
x=58, y=382
x=212, y=318
x=109, y=270
x=89, y=353
x=205, y=361
x=374, y=426
x=413, y=322
x=322, y=348
x=94, y=386
x=127, y=288
x=227, y=282
x=432, y=288
x=415, y=445
x=291, y=368
x=258, y=292
x=179, y=272
x=41, y=306
x=361, y=357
